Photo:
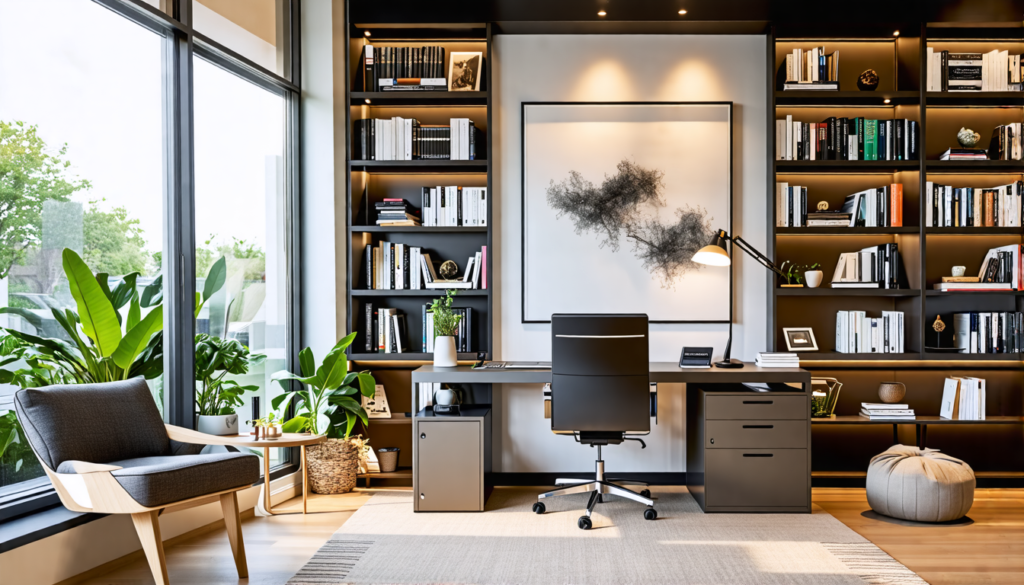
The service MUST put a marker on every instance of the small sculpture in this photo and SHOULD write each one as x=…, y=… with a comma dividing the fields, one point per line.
x=967, y=137
x=959, y=271
x=823, y=206
x=449, y=270
x=868, y=81
x=938, y=326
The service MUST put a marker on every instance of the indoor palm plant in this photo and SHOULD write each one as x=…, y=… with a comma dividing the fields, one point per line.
x=328, y=404
x=446, y=325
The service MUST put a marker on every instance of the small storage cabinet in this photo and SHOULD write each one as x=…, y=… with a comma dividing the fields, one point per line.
x=451, y=460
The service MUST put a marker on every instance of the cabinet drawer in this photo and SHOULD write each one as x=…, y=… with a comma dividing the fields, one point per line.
x=760, y=434
x=449, y=472
x=756, y=478
x=756, y=407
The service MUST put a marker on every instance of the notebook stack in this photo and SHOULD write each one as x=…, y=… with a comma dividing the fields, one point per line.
x=777, y=360
x=965, y=154
x=396, y=212
x=875, y=411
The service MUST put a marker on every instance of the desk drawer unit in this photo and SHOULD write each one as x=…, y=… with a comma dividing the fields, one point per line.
x=766, y=434
x=756, y=407
x=756, y=478
x=450, y=460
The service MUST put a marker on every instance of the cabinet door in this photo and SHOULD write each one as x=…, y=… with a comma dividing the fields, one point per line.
x=448, y=466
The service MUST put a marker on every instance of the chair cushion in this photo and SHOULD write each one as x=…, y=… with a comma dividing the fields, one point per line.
x=919, y=485
x=158, y=481
x=98, y=423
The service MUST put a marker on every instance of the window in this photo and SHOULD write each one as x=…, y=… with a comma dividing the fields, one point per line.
x=255, y=29
x=240, y=216
x=81, y=167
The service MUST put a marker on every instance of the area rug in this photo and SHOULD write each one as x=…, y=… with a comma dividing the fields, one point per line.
x=385, y=542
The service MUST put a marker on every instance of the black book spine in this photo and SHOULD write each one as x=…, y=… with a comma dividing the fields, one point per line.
x=368, y=263
x=805, y=130
x=371, y=339
x=844, y=139
x=440, y=62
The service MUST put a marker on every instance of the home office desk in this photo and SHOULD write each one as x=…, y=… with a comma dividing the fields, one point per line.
x=746, y=451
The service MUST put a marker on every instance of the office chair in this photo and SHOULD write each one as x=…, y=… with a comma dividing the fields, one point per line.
x=600, y=390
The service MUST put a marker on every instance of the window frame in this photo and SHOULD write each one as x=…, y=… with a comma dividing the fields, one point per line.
x=181, y=45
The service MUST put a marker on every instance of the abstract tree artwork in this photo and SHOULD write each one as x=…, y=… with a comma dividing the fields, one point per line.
x=617, y=198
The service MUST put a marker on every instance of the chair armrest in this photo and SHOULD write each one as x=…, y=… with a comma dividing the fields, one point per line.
x=83, y=467
x=183, y=435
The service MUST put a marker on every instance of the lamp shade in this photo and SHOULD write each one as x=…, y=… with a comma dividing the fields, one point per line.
x=714, y=254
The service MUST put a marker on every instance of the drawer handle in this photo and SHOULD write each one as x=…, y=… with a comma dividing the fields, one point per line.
x=758, y=402
x=758, y=455
x=423, y=435
x=759, y=426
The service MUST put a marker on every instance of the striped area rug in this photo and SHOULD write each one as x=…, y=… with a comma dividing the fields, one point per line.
x=385, y=542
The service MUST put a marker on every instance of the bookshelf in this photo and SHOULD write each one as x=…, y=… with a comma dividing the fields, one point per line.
x=369, y=181
x=845, y=443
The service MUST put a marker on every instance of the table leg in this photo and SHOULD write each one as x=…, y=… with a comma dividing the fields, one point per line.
x=917, y=434
x=305, y=478
x=924, y=436
x=895, y=434
x=266, y=481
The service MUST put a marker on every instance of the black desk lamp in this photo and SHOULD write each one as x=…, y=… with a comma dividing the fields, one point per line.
x=716, y=254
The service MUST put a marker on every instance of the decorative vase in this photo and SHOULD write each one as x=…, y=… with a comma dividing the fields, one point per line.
x=444, y=352
x=333, y=466
x=226, y=424
x=813, y=278
x=891, y=392
x=387, y=458
x=446, y=397
x=868, y=81
x=967, y=137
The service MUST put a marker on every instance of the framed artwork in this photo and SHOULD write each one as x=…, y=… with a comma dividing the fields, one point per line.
x=464, y=71
x=616, y=199
x=800, y=339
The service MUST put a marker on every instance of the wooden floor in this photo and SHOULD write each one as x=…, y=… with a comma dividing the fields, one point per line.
x=986, y=549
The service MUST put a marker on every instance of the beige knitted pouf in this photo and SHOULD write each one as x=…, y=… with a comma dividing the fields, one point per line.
x=919, y=485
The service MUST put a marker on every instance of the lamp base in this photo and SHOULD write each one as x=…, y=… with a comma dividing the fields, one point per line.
x=729, y=364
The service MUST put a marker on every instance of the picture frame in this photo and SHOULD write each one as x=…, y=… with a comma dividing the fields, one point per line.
x=800, y=339
x=464, y=70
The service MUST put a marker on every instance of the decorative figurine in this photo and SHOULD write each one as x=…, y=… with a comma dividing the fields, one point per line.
x=823, y=206
x=967, y=137
x=868, y=81
x=938, y=326
x=959, y=271
x=449, y=270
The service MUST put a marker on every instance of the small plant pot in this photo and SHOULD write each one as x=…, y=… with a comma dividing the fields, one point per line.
x=444, y=352
x=226, y=424
x=813, y=278
x=387, y=457
x=271, y=433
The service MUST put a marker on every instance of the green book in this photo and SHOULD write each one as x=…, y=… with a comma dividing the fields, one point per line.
x=871, y=140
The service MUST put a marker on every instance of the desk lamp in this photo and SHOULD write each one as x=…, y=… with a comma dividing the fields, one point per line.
x=716, y=254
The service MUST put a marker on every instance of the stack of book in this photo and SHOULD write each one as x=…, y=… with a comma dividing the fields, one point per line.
x=846, y=139
x=396, y=212
x=963, y=399
x=463, y=337
x=1000, y=270
x=1001, y=332
x=1006, y=142
x=474, y=275
x=993, y=71
x=858, y=333
x=407, y=139
x=964, y=154
x=384, y=330
x=828, y=218
x=777, y=360
x=812, y=69
x=877, y=411
x=404, y=68
x=947, y=206
x=878, y=266
x=454, y=206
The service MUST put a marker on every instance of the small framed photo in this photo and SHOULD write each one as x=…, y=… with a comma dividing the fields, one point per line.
x=800, y=339
x=464, y=71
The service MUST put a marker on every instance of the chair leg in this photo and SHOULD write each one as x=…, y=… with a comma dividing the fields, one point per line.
x=233, y=523
x=147, y=525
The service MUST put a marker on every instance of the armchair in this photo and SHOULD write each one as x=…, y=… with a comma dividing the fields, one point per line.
x=106, y=450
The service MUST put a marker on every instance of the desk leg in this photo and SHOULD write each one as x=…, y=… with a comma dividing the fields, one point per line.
x=267, y=506
x=917, y=434
x=895, y=434
x=305, y=478
x=924, y=436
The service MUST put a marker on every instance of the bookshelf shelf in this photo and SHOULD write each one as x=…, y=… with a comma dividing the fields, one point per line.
x=415, y=293
x=975, y=357
x=419, y=165
x=834, y=356
x=846, y=98
x=846, y=292
x=975, y=231
x=973, y=293
x=845, y=231
x=408, y=229
x=394, y=420
x=974, y=99
x=845, y=166
x=977, y=166
x=930, y=420
x=420, y=98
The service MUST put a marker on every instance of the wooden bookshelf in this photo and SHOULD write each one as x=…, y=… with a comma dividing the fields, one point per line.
x=843, y=446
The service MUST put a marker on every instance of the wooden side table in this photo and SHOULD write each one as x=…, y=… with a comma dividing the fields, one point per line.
x=301, y=440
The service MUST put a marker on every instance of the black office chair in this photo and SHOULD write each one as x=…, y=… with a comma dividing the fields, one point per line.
x=600, y=390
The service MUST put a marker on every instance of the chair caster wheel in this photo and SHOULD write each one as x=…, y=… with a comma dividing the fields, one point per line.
x=539, y=508
x=645, y=493
x=584, y=523
x=650, y=514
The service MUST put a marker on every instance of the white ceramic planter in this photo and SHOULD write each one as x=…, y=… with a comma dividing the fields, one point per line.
x=444, y=352
x=813, y=278
x=218, y=425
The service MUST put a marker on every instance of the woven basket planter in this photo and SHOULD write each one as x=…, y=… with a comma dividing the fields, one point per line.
x=333, y=466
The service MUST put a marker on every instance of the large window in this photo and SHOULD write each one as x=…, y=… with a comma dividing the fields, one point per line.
x=149, y=137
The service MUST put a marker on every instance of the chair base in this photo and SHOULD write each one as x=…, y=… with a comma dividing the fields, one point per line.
x=597, y=489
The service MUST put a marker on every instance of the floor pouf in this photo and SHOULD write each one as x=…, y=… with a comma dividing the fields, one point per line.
x=922, y=485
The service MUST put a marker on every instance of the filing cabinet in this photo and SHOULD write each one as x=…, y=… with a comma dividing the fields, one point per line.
x=451, y=460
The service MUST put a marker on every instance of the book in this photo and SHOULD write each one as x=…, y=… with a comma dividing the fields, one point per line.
x=883, y=406
x=845, y=138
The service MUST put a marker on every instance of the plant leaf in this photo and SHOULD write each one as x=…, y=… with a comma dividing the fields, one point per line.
x=124, y=292
x=153, y=294
x=367, y=385
x=295, y=425
x=136, y=340
x=99, y=320
x=216, y=278
x=307, y=365
x=33, y=319
x=134, y=313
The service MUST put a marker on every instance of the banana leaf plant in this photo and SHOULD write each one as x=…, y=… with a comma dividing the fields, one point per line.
x=329, y=390
x=215, y=359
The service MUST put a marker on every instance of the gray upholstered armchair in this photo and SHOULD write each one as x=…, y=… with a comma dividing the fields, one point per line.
x=106, y=450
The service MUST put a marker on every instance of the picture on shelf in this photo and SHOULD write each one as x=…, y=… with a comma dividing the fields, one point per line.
x=464, y=71
x=617, y=198
x=800, y=339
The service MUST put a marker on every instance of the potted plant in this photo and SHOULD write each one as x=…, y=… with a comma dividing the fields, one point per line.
x=795, y=273
x=270, y=425
x=327, y=404
x=216, y=396
x=446, y=324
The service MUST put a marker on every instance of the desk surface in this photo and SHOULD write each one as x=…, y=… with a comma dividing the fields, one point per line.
x=661, y=372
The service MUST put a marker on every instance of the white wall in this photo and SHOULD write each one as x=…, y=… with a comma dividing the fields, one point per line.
x=621, y=68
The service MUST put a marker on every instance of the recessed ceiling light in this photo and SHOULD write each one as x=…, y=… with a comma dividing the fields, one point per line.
x=682, y=11
x=601, y=13
x=895, y=33
x=368, y=100
x=367, y=33
x=886, y=100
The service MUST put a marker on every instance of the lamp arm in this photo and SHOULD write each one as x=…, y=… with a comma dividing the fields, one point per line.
x=753, y=253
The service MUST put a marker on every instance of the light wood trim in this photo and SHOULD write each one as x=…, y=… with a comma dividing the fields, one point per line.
x=82, y=467
x=147, y=525
x=287, y=439
x=233, y=524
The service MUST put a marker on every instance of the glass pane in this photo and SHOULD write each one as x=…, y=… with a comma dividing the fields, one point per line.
x=241, y=217
x=255, y=29
x=81, y=168
x=162, y=5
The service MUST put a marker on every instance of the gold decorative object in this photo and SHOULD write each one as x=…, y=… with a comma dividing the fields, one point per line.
x=939, y=325
x=823, y=206
x=891, y=392
x=449, y=270
x=824, y=396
